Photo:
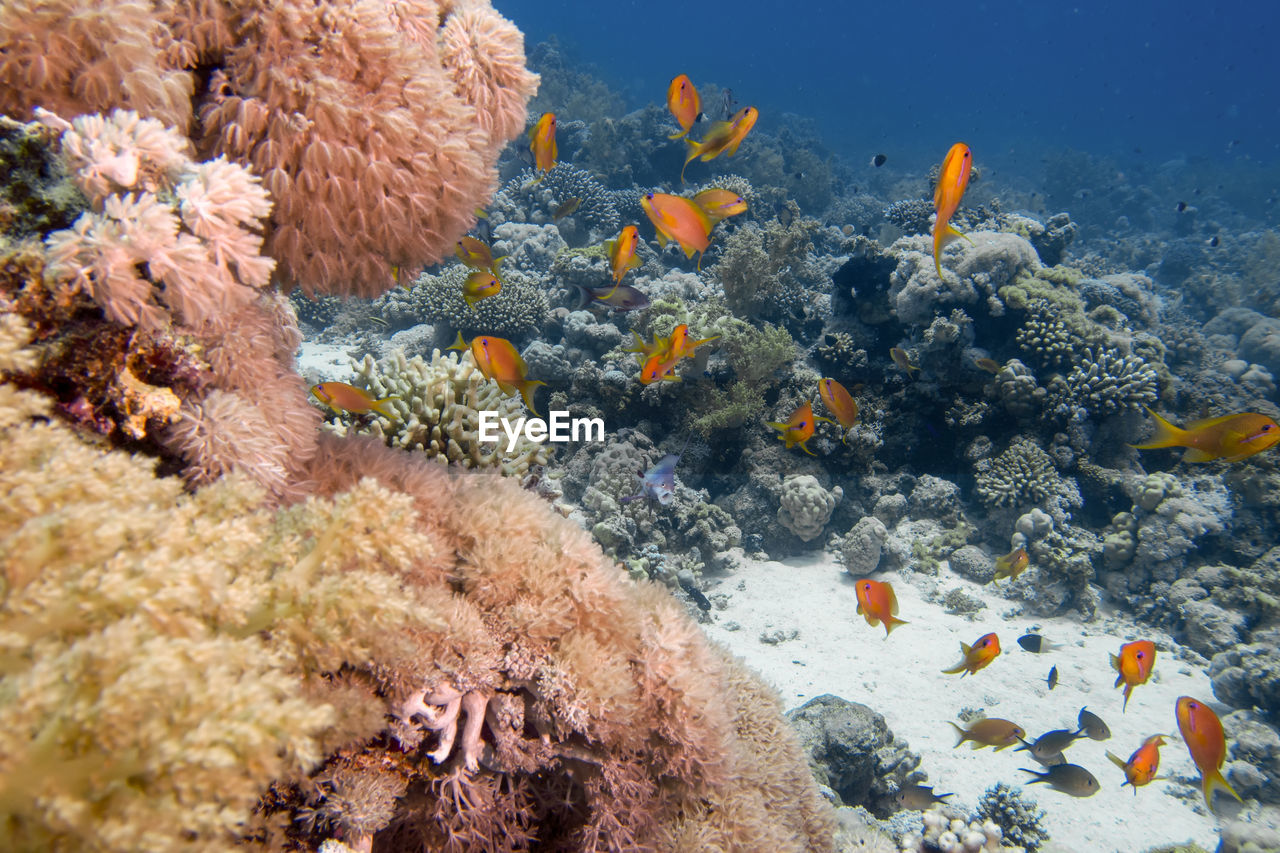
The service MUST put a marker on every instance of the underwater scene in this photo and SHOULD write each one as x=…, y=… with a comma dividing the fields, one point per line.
x=472, y=425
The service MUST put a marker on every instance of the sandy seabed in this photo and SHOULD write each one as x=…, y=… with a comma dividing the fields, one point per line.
x=835, y=651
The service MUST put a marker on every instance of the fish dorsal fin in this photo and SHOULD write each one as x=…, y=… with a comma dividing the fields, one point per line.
x=1208, y=422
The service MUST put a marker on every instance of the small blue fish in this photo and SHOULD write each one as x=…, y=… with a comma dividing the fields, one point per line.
x=622, y=297
x=659, y=482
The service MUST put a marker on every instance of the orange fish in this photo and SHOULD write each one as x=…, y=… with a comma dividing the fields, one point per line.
x=1230, y=437
x=660, y=368
x=684, y=103
x=990, y=732
x=660, y=346
x=990, y=365
x=340, y=396
x=498, y=360
x=679, y=345
x=678, y=218
x=799, y=428
x=542, y=142
x=477, y=255
x=1202, y=732
x=720, y=203
x=1011, y=565
x=902, y=360
x=1141, y=767
x=481, y=284
x=622, y=254
x=952, y=181
x=723, y=137
x=839, y=403
x=981, y=653
x=878, y=604
x=1133, y=666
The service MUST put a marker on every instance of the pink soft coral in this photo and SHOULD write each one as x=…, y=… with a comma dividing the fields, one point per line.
x=375, y=125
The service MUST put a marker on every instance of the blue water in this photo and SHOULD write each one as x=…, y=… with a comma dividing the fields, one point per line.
x=1153, y=80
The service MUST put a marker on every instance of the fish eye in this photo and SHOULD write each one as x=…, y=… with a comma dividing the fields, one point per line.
x=1141, y=655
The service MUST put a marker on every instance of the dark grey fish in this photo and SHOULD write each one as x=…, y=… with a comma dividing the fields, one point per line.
x=1050, y=744
x=1036, y=643
x=1053, y=677
x=704, y=603
x=1068, y=778
x=1092, y=726
x=624, y=297
x=919, y=797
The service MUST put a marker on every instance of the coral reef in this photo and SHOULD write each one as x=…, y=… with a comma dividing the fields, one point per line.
x=438, y=405
x=806, y=505
x=1015, y=814
x=853, y=752
x=313, y=622
x=379, y=165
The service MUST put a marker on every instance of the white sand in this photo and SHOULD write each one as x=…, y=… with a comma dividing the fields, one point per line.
x=837, y=652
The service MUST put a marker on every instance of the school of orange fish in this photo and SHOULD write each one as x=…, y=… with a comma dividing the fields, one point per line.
x=689, y=222
x=1198, y=725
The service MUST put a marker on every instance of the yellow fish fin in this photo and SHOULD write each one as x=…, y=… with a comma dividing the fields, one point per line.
x=1195, y=454
x=527, y=387
x=1213, y=779
x=1118, y=761
x=381, y=407
x=1166, y=435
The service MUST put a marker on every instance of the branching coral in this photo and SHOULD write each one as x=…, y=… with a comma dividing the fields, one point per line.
x=1107, y=382
x=438, y=404
x=1024, y=473
x=518, y=309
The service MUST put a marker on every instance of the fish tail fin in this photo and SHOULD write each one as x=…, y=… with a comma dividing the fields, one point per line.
x=584, y=294
x=960, y=733
x=527, y=388
x=957, y=668
x=806, y=449
x=694, y=150
x=890, y=623
x=1166, y=435
x=382, y=407
x=1117, y=760
x=459, y=343
x=681, y=134
x=1213, y=779
x=937, y=261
